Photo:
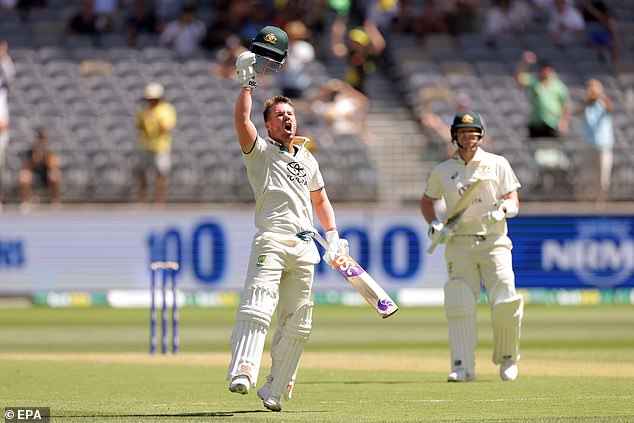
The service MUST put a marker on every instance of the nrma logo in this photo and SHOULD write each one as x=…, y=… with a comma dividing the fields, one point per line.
x=602, y=255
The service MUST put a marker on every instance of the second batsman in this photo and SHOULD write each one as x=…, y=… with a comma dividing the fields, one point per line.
x=478, y=249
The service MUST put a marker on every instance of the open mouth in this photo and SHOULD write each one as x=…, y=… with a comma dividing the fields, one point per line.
x=288, y=126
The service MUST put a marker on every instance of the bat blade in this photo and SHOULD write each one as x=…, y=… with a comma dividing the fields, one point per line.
x=365, y=284
x=458, y=210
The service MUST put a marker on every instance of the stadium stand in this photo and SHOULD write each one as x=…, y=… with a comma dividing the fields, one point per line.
x=89, y=113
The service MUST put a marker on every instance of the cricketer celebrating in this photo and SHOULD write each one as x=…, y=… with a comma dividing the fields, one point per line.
x=478, y=248
x=285, y=179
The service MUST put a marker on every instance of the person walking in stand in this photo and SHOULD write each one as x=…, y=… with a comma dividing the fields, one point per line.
x=155, y=122
x=478, y=249
x=285, y=179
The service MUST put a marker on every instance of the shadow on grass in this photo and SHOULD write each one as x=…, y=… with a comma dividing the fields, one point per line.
x=185, y=415
x=173, y=415
x=360, y=382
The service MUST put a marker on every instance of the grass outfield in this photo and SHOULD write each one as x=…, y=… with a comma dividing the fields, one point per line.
x=91, y=365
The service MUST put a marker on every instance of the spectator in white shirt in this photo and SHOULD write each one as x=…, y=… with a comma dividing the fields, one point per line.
x=566, y=22
x=184, y=34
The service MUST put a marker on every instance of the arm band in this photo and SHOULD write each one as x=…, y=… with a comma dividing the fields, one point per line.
x=510, y=209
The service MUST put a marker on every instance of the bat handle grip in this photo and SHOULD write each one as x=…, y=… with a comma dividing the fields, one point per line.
x=312, y=233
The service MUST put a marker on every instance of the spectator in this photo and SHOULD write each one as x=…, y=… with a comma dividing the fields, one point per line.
x=344, y=109
x=440, y=125
x=225, y=61
x=141, y=20
x=407, y=19
x=221, y=27
x=507, y=16
x=155, y=122
x=24, y=7
x=603, y=30
x=7, y=75
x=432, y=19
x=105, y=11
x=549, y=97
x=184, y=34
x=85, y=22
x=565, y=23
x=40, y=169
x=594, y=178
x=355, y=34
x=293, y=78
x=361, y=58
x=460, y=16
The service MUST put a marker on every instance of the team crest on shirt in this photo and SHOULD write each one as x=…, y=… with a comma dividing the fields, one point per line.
x=297, y=173
x=261, y=260
x=484, y=171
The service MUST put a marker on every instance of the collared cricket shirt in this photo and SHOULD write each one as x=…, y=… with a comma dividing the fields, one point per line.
x=282, y=182
x=452, y=177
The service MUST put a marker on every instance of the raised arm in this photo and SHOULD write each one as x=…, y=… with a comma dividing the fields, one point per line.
x=242, y=120
x=528, y=58
x=247, y=132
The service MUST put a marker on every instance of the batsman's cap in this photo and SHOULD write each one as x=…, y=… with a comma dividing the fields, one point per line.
x=153, y=91
x=467, y=120
x=271, y=42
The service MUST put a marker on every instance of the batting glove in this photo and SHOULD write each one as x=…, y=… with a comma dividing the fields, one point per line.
x=496, y=215
x=336, y=247
x=245, y=69
x=438, y=232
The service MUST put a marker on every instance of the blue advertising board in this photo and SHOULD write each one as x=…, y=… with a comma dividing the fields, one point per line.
x=578, y=251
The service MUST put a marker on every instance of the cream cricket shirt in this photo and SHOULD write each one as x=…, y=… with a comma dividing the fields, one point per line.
x=282, y=183
x=452, y=177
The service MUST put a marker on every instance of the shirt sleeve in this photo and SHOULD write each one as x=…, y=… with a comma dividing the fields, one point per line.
x=317, y=181
x=434, y=185
x=259, y=147
x=508, y=182
x=168, y=116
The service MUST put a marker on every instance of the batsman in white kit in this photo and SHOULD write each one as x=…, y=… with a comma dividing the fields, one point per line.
x=287, y=184
x=478, y=250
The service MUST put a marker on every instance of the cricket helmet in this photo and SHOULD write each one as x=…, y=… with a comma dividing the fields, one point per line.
x=270, y=46
x=466, y=120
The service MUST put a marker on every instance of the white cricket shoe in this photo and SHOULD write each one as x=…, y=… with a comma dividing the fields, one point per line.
x=460, y=375
x=508, y=370
x=269, y=401
x=240, y=384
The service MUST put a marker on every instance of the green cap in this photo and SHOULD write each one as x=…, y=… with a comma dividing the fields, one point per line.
x=271, y=42
x=467, y=120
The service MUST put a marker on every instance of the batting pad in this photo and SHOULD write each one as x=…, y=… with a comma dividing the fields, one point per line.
x=285, y=355
x=506, y=316
x=249, y=333
x=460, y=310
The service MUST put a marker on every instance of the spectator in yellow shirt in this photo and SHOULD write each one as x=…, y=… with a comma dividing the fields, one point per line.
x=155, y=122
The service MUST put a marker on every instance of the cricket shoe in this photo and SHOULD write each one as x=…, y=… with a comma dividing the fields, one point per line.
x=508, y=370
x=269, y=401
x=460, y=375
x=240, y=384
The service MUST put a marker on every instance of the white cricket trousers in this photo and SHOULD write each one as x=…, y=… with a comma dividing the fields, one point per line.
x=473, y=259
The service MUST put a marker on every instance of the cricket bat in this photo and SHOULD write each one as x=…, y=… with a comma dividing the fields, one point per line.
x=454, y=216
x=365, y=284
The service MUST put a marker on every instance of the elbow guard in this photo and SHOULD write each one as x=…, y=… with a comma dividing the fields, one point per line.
x=510, y=208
